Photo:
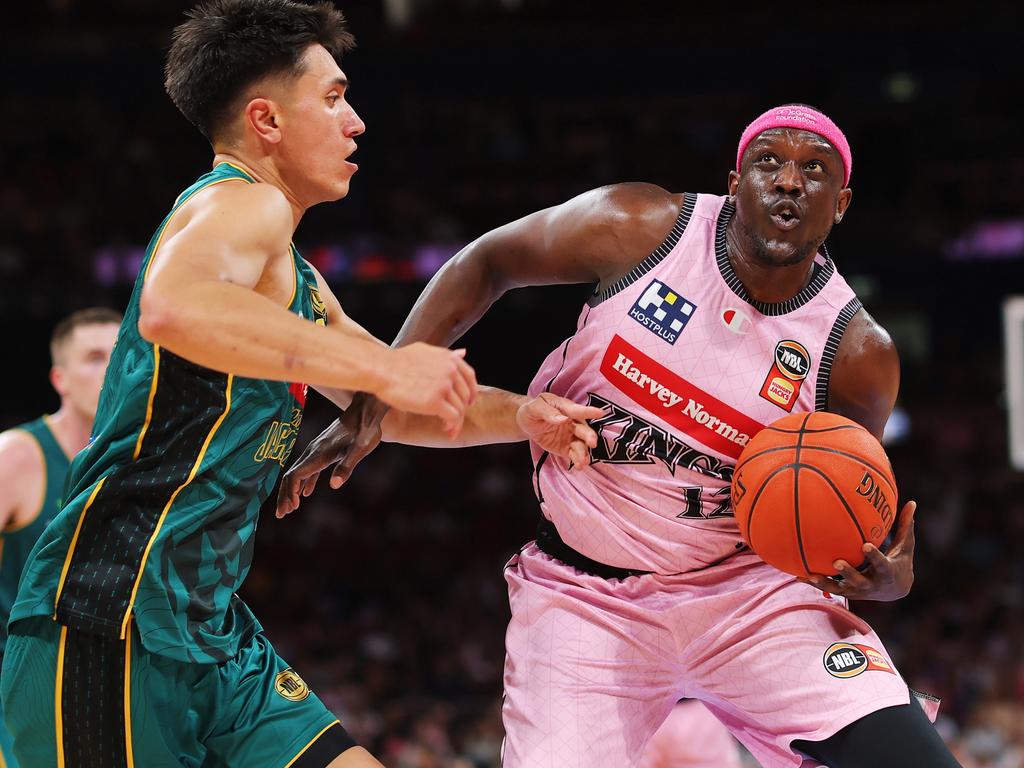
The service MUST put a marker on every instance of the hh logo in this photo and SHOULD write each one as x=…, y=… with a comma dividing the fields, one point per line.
x=662, y=311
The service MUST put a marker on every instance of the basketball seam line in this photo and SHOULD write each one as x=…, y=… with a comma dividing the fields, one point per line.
x=823, y=449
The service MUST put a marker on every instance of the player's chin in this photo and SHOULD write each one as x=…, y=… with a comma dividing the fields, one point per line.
x=339, y=189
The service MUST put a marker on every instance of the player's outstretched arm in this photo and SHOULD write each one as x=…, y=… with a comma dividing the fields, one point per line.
x=557, y=424
x=21, y=478
x=595, y=237
x=864, y=383
x=203, y=300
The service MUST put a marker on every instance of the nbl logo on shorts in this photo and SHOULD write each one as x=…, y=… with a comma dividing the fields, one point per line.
x=662, y=311
x=845, y=660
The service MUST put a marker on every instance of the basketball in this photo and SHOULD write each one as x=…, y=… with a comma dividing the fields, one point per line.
x=811, y=489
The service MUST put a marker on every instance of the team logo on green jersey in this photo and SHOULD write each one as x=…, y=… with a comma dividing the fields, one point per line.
x=291, y=686
x=277, y=445
x=319, y=308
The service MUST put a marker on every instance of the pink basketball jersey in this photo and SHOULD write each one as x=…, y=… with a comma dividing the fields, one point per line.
x=688, y=367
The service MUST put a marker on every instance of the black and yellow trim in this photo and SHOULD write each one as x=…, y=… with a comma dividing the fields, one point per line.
x=58, y=689
x=330, y=742
x=149, y=402
x=92, y=701
x=154, y=383
x=74, y=541
x=163, y=513
x=109, y=552
x=128, y=750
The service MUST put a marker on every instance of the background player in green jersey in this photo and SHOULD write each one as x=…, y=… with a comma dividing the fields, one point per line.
x=34, y=457
x=128, y=643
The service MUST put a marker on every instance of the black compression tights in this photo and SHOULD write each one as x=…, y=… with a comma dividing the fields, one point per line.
x=895, y=737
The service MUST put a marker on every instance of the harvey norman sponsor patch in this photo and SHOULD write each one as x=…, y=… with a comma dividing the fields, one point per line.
x=662, y=311
x=675, y=400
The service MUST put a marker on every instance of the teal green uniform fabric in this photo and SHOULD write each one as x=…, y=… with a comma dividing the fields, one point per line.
x=126, y=624
x=249, y=711
x=161, y=506
x=16, y=543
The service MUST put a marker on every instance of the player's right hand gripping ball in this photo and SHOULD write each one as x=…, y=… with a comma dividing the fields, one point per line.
x=811, y=489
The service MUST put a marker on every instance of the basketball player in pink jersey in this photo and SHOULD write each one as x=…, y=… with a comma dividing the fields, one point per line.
x=712, y=316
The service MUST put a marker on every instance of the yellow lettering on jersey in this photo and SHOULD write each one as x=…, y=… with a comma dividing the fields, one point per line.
x=277, y=445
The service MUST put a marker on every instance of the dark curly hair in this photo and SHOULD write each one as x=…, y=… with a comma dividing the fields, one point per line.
x=226, y=45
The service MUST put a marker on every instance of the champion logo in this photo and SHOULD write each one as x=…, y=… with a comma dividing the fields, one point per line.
x=736, y=320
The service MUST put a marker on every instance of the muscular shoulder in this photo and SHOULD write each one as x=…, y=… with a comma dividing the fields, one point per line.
x=260, y=209
x=19, y=453
x=640, y=214
x=21, y=477
x=622, y=224
x=866, y=374
x=866, y=340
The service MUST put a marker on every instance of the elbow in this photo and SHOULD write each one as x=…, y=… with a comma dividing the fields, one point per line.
x=156, y=318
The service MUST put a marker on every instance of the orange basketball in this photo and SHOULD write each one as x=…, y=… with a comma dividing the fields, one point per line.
x=811, y=489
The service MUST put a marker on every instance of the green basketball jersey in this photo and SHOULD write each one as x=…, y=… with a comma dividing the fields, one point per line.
x=161, y=507
x=17, y=541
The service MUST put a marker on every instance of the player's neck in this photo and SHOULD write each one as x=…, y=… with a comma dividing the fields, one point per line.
x=70, y=428
x=262, y=170
x=768, y=283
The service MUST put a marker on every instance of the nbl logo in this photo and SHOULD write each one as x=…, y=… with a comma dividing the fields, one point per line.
x=845, y=660
x=291, y=686
x=662, y=311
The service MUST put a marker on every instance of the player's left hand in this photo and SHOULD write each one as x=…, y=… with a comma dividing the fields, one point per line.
x=889, y=575
x=559, y=426
x=344, y=443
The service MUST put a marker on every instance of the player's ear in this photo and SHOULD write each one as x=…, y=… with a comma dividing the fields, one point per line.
x=734, y=182
x=58, y=380
x=261, y=116
x=845, y=196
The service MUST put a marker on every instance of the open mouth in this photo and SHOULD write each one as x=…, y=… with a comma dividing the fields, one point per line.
x=785, y=215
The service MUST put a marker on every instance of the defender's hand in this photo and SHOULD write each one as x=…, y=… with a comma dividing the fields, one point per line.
x=889, y=575
x=430, y=380
x=345, y=442
x=559, y=426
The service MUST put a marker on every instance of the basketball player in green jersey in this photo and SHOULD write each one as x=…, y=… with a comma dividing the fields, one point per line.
x=128, y=645
x=34, y=457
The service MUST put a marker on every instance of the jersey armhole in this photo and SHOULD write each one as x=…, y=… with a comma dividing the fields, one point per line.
x=651, y=261
x=828, y=354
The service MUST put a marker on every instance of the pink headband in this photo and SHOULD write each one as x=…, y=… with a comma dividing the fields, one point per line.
x=804, y=119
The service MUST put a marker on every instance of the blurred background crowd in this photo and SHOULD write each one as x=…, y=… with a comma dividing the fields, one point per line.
x=388, y=595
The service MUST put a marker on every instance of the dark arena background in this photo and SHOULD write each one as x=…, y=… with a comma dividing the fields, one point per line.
x=388, y=594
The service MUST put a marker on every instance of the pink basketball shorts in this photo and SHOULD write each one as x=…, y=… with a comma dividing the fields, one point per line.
x=594, y=666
